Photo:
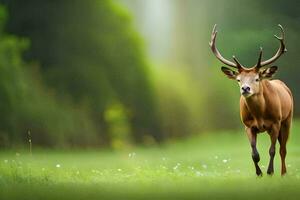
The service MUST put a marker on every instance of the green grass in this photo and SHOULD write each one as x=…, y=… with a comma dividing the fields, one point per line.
x=210, y=166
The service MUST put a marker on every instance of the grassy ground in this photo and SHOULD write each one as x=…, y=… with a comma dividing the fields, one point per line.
x=217, y=166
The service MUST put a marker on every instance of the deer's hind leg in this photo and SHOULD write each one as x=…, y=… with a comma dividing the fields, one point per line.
x=274, y=134
x=283, y=137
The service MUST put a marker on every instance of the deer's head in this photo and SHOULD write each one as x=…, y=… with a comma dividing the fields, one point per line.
x=249, y=79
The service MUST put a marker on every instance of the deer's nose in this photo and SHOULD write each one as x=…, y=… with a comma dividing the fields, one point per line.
x=246, y=89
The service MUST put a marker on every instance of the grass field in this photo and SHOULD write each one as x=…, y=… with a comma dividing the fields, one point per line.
x=210, y=166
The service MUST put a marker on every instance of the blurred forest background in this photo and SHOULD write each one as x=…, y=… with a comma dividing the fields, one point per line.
x=113, y=73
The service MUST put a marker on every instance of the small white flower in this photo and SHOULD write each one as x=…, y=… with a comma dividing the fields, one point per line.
x=119, y=170
x=57, y=165
x=198, y=173
x=5, y=161
x=164, y=167
x=289, y=165
x=216, y=157
x=225, y=161
x=176, y=166
x=131, y=155
x=204, y=166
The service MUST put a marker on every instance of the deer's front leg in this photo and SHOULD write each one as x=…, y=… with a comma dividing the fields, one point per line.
x=274, y=133
x=252, y=134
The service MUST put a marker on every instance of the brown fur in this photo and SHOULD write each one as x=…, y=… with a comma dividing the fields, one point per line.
x=269, y=110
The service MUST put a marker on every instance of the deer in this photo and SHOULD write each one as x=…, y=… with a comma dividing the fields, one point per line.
x=266, y=104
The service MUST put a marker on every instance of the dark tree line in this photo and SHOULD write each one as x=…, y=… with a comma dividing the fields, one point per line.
x=88, y=58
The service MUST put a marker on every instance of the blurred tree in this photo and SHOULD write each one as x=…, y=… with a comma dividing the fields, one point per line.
x=26, y=105
x=90, y=54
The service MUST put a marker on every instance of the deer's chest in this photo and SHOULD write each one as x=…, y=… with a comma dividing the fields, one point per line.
x=258, y=124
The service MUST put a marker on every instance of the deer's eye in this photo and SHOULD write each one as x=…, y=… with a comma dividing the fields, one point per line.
x=257, y=79
x=238, y=80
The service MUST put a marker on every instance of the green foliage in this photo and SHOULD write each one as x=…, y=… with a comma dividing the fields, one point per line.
x=116, y=118
x=26, y=105
x=190, y=106
x=179, y=103
x=90, y=56
x=221, y=100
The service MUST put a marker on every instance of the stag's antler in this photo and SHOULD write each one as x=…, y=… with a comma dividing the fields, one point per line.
x=279, y=52
x=213, y=47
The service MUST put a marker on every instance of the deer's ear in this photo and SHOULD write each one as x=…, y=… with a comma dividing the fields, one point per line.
x=229, y=72
x=268, y=72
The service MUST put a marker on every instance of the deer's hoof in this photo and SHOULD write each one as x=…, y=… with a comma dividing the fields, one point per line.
x=259, y=173
x=270, y=173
